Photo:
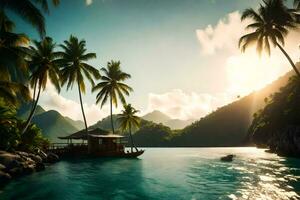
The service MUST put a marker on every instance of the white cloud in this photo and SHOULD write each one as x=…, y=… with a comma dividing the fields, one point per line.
x=88, y=2
x=247, y=71
x=51, y=100
x=223, y=36
x=183, y=105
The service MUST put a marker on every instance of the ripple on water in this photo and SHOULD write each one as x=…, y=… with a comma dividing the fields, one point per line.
x=194, y=173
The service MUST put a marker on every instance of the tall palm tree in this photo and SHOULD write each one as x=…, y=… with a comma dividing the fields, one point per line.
x=44, y=66
x=271, y=24
x=112, y=86
x=128, y=120
x=28, y=10
x=74, y=67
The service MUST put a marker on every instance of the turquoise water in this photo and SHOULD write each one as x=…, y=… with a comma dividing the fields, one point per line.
x=174, y=173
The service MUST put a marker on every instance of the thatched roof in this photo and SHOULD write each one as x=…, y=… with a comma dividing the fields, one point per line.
x=82, y=134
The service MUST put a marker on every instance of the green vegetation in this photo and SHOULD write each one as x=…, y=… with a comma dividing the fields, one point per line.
x=11, y=137
x=129, y=121
x=277, y=125
x=112, y=87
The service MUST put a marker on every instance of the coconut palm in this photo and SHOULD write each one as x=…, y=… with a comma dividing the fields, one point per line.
x=74, y=67
x=12, y=50
x=128, y=121
x=112, y=87
x=43, y=66
x=271, y=23
x=29, y=11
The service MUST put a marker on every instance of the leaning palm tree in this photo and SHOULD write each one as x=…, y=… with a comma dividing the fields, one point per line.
x=44, y=67
x=29, y=11
x=271, y=24
x=112, y=87
x=128, y=120
x=74, y=67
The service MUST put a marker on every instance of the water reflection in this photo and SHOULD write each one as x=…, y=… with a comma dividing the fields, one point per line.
x=191, y=173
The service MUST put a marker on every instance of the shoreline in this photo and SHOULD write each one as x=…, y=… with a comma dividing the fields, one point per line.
x=17, y=164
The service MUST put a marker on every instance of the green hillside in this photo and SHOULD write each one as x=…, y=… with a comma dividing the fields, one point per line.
x=228, y=125
x=51, y=122
x=277, y=126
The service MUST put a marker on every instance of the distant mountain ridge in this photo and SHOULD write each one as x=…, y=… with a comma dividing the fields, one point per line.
x=160, y=117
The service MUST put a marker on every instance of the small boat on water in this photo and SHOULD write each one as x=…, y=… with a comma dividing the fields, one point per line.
x=95, y=143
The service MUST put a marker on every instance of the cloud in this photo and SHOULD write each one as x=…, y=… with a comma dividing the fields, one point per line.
x=186, y=105
x=222, y=36
x=247, y=71
x=88, y=2
x=51, y=100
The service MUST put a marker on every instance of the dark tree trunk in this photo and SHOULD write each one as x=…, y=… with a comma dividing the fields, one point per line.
x=289, y=59
x=82, y=110
x=131, y=138
x=33, y=98
x=111, y=116
x=27, y=123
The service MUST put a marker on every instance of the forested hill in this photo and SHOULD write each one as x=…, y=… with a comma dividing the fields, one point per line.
x=229, y=124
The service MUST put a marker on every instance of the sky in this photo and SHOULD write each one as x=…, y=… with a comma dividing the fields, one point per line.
x=182, y=55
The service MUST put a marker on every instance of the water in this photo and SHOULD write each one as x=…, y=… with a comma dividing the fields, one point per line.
x=175, y=173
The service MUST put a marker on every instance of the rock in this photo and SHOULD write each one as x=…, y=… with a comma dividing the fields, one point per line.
x=4, y=178
x=6, y=158
x=2, y=167
x=227, y=158
x=14, y=164
x=52, y=158
x=36, y=158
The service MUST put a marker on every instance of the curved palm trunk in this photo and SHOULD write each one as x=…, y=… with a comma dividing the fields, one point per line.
x=82, y=110
x=131, y=138
x=33, y=97
x=111, y=116
x=27, y=123
x=289, y=59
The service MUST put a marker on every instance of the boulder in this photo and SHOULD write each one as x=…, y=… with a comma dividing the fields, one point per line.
x=6, y=158
x=52, y=158
x=2, y=167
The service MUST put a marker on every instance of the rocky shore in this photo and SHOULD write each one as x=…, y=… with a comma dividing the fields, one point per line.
x=18, y=163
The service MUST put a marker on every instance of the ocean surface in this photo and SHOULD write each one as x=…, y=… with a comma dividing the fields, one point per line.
x=165, y=173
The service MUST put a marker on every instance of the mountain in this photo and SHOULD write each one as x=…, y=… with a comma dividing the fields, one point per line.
x=24, y=110
x=156, y=117
x=228, y=125
x=159, y=117
x=78, y=124
x=51, y=122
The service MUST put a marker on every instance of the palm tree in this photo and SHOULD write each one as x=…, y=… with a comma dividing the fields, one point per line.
x=12, y=50
x=74, y=66
x=129, y=120
x=11, y=91
x=112, y=86
x=28, y=10
x=44, y=66
x=271, y=24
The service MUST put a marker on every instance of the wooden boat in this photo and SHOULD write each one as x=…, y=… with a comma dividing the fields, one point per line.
x=95, y=143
